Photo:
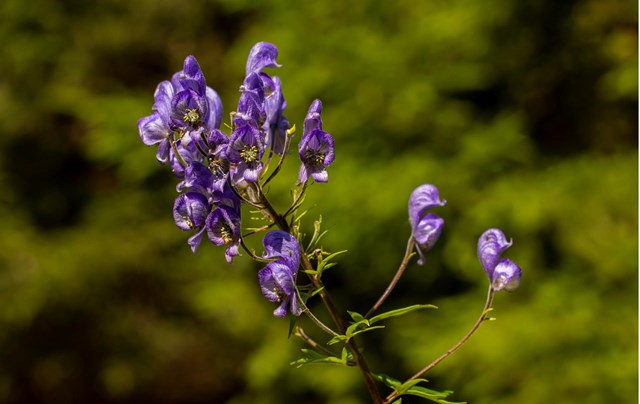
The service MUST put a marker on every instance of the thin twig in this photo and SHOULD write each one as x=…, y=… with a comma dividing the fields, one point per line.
x=403, y=265
x=313, y=318
x=483, y=316
x=299, y=332
x=285, y=150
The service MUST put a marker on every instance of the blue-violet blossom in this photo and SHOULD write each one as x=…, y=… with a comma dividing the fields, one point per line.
x=278, y=279
x=425, y=227
x=502, y=272
x=190, y=211
x=223, y=228
x=316, y=147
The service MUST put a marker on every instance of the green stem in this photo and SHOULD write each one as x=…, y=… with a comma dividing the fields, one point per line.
x=405, y=261
x=328, y=302
x=313, y=318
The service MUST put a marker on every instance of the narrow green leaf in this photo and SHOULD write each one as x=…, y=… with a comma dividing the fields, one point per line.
x=356, y=316
x=337, y=339
x=364, y=323
x=375, y=327
x=316, y=233
x=322, y=265
x=300, y=216
x=435, y=396
x=409, y=384
x=316, y=291
x=311, y=356
x=400, y=312
x=292, y=325
x=387, y=380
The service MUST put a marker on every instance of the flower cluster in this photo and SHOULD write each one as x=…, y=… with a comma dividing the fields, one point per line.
x=214, y=168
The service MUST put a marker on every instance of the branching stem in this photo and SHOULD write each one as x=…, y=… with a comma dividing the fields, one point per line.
x=326, y=299
x=483, y=316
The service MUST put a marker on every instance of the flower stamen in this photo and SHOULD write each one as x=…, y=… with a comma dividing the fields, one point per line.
x=191, y=116
x=249, y=154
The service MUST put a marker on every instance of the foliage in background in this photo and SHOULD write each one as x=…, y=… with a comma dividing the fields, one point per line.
x=524, y=114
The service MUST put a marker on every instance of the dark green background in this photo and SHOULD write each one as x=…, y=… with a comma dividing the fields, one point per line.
x=523, y=113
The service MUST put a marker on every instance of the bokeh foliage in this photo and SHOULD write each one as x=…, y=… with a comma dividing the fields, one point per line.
x=524, y=114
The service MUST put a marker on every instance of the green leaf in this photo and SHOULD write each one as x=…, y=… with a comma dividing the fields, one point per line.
x=400, y=312
x=315, y=237
x=409, y=384
x=311, y=356
x=292, y=325
x=325, y=262
x=364, y=323
x=352, y=332
x=433, y=395
x=357, y=317
x=337, y=339
x=365, y=330
x=387, y=380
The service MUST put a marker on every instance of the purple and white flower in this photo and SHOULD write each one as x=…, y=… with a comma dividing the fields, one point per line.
x=502, y=272
x=425, y=227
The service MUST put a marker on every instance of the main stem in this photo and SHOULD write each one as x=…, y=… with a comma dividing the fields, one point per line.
x=281, y=221
x=481, y=319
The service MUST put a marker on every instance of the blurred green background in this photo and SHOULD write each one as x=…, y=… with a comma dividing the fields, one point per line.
x=523, y=113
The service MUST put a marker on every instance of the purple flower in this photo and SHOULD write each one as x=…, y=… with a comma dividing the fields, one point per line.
x=277, y=282
x=188, y=110
x=280, y=244
x=191, y=78
x=245, y=150
x=261, y=55
x=278, y=278
x=223, y=228
x=181, y=105
x=316, y=147
x=502, y=272
x=251, y=105
x=276, y=124
x=425, y=227
x=190, y=211
x=155, y=129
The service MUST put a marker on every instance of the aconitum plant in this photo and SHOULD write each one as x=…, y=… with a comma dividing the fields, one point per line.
x=219, y=173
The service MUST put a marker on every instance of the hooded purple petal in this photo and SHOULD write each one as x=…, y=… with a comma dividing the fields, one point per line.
x=278, y=243
x=214, y=118
x=491, y=244
x=263, y=54
x=423, y=198
x=313, y=120
x=153, y=129
x=190, y=210
x=192, y=77
x=276, y=125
